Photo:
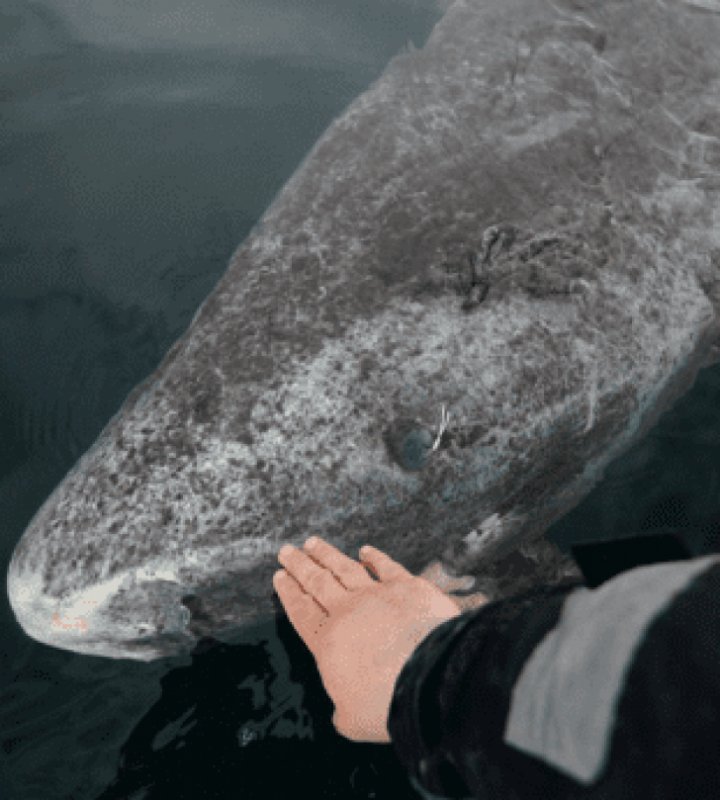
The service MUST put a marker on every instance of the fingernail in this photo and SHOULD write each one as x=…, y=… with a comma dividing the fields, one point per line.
x=365, y=550
x=312, y=541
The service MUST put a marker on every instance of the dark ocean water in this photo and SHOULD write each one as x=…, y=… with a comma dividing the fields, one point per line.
x=137, y=148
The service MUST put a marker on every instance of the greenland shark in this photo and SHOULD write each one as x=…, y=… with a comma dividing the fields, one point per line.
x=487, y=279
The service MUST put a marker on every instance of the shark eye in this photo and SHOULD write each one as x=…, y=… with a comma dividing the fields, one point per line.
x=408, y=443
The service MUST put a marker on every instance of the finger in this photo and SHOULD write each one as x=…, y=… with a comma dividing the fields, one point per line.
x=348, y=571
x=305, y=615
x=437, y=574
x=386, y=568
x=471, y=601
x=317, y=581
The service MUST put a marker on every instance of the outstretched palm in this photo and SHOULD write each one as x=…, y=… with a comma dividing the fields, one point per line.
x=361, y=631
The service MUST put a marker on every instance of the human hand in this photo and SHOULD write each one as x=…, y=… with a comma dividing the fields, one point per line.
x=360, y=631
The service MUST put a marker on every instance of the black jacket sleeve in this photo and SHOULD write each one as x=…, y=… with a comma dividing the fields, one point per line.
x=452, y=700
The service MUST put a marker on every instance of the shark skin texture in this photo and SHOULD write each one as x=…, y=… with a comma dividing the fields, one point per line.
x=489, y=277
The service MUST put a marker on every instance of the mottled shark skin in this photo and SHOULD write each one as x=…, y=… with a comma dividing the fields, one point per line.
x=489, y=277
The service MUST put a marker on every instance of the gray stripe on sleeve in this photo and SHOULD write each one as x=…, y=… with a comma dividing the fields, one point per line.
x=564, y=701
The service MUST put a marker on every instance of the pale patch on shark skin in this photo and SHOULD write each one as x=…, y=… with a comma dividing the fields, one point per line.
x=78, y=621
x=543, y=131
x=490, y=529
x=86, y=620
x=704, y=5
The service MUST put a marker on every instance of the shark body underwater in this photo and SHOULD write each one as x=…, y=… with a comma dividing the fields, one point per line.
x=491, y=275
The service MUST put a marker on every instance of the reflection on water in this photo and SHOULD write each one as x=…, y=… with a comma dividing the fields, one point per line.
x=670, y=479
x=250, y=720
x=139, y=144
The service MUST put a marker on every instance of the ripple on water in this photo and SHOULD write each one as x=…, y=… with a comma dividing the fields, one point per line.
x=64, y=719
